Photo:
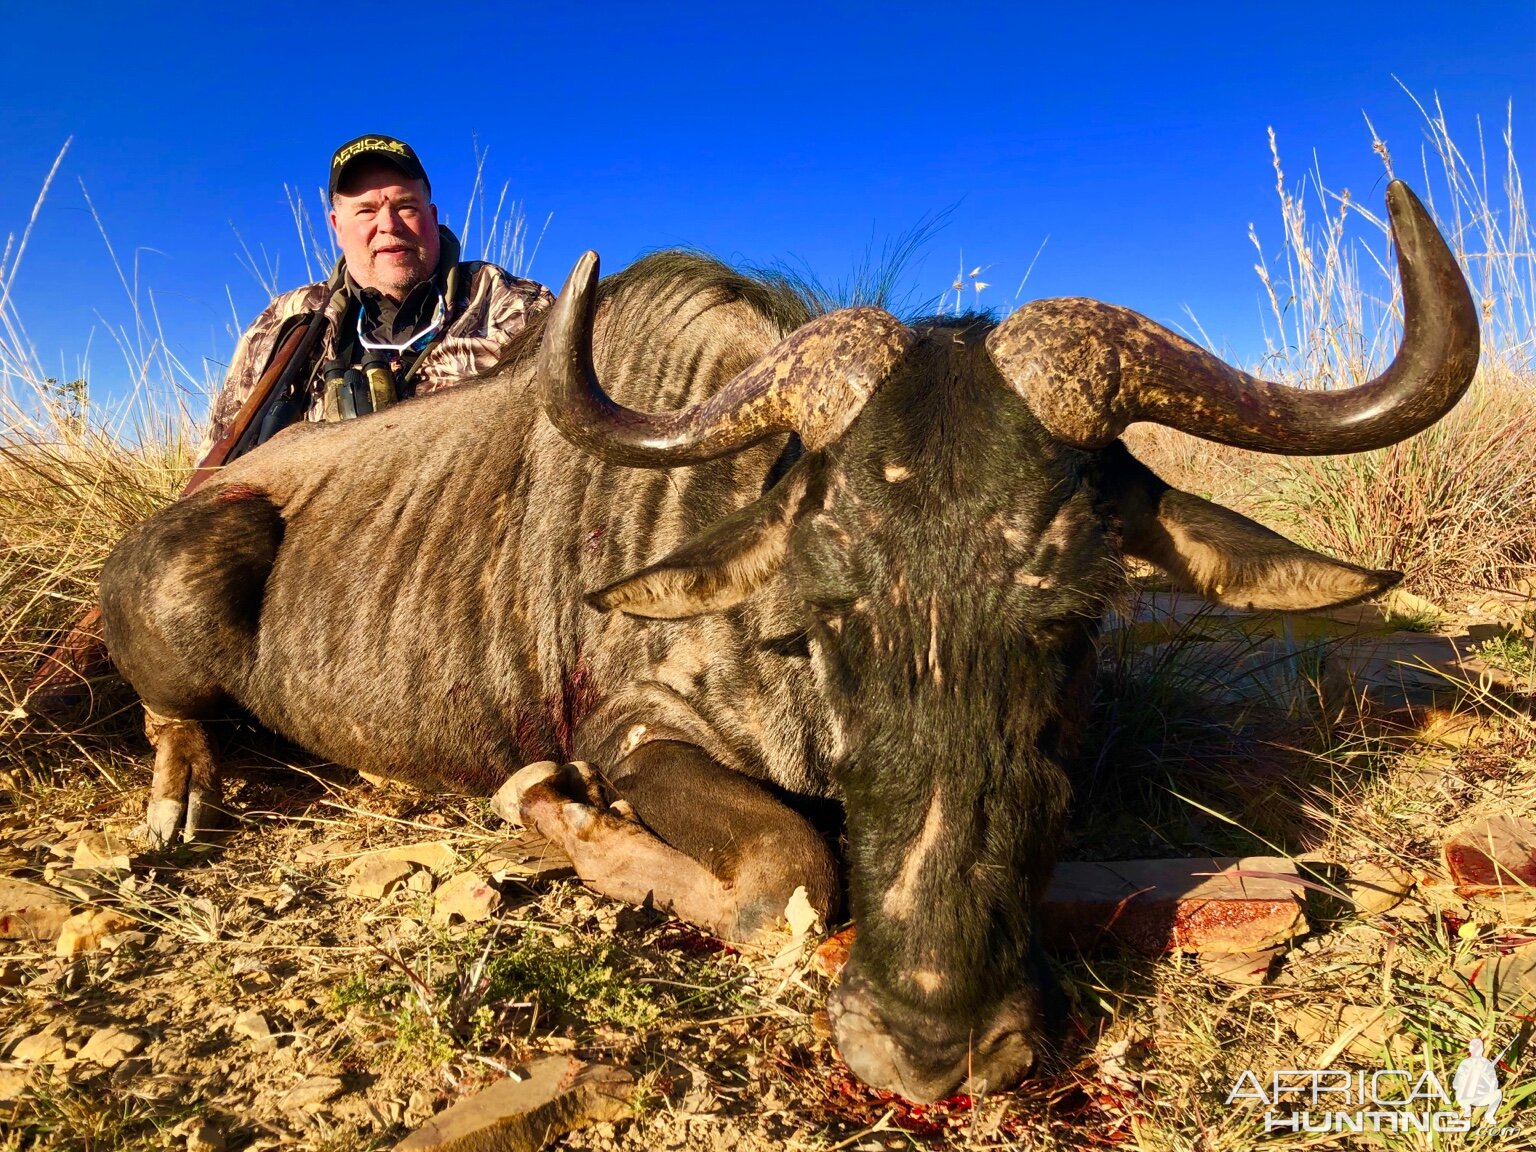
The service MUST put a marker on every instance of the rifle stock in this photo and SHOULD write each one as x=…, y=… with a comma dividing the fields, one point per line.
x=291, y=354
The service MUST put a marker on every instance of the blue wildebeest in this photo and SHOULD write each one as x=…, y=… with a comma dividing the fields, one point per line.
x=831, y=556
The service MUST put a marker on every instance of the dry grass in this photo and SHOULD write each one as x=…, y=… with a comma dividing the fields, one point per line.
x=1451, y=507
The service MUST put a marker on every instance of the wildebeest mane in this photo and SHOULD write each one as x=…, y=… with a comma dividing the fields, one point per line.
x=676, y=275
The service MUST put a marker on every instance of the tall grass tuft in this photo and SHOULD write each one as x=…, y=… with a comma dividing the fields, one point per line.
x=74, y=476
x=1451, y=507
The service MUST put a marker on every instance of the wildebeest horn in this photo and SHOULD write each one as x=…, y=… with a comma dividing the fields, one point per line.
x=814, y=382
x=1088, y=369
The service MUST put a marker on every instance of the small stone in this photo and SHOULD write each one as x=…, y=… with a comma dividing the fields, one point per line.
x=554, y=1096
x=468, y=896
x=310, y=1095
x=110, y=1046
x=87, y=885
x=373, y=877
x=46, y=1047
x=419, y=1107
x=14, y=1083
x=1376, y=888
x=89, y=930
x=1248, y=968
x=419, y=881
x=831, y=954
x=29, y=911
x=253, y=1025
x=205, y=1136
x=1404, y=605
x=102, y=852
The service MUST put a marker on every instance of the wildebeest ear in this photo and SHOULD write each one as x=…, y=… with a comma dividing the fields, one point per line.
x=1226, y=557
x=721, y=566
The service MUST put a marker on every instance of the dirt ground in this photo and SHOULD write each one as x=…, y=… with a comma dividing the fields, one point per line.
x=255, y=996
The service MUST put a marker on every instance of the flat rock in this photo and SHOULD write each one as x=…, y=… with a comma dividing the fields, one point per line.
x=554, y=1096
x=310, y=1095
x=1209, y=906
x=86, y=885
x=1376, y=888
x=102, y=852
x=30, y=911
x=1358, y=1030
x=373, y=877
x=1496, y=853
x=1507, y=980
x=468, y=896
x=1405, y=673
x=110, y=1046
x=437, y=856
x=86, y=931
x=45, y=1047
x=525, y=856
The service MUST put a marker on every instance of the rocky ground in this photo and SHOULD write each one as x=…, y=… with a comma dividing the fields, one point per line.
x=354, y=958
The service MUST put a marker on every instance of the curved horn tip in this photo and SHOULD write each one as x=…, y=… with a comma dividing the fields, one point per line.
x=583, y=273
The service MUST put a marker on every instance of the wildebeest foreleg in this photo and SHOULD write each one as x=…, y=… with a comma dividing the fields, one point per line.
x=181, y=602
x=715, y=849
x=185, y=794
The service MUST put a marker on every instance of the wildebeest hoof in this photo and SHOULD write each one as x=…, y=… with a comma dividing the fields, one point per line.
x=575, y=781
x=164, y=822
x=168, y=821
x=185, y=794
x=517, y=787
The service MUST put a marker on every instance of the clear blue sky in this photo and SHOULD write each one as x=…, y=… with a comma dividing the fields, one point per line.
x=1131, y=135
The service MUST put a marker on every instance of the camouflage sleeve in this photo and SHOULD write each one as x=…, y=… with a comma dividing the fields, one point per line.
x=499, y=307
x=514, y=303
x=252, y=354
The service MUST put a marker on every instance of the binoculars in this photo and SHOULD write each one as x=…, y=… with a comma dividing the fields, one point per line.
x=351, y=392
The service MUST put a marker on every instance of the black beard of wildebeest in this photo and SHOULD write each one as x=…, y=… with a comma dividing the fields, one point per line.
x=831, y=556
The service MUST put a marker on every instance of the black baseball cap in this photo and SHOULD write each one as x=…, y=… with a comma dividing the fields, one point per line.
x=376, y=147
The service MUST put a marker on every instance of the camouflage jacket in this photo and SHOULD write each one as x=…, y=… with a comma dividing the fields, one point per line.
x=494, y=306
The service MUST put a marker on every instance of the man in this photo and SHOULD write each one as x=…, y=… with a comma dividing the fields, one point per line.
x=400, y=300
x=401, y=292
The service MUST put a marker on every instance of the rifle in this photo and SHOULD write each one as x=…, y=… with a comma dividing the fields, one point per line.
x=81, y=654
x=274, y=387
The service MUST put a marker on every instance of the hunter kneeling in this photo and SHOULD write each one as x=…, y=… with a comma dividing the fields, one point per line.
x=401, y=315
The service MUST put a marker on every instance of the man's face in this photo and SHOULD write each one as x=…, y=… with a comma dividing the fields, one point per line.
x=386, y=227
